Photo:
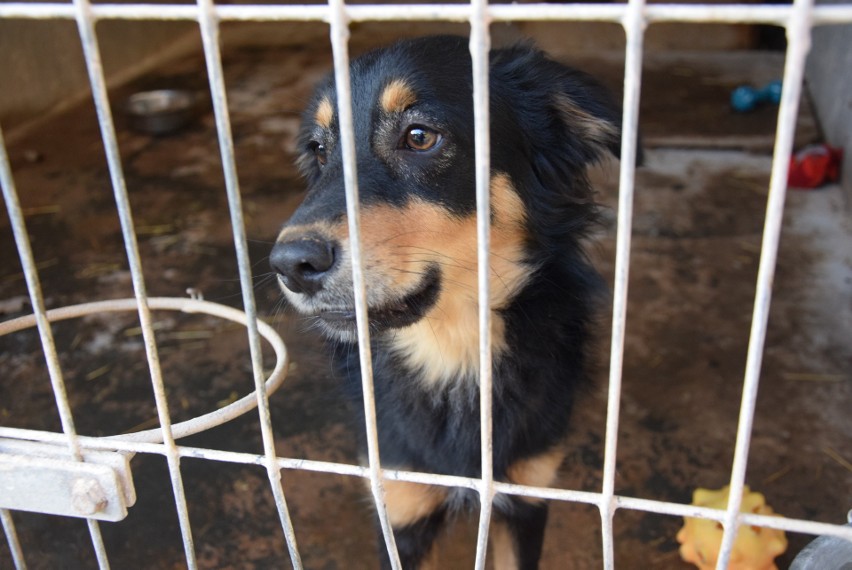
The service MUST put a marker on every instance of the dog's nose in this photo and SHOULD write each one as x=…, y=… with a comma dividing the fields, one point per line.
x=303, y=263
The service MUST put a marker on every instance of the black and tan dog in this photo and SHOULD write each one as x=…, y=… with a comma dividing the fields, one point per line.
x=413, y=116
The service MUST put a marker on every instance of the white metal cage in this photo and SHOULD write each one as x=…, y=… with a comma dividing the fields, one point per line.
x=798, y=19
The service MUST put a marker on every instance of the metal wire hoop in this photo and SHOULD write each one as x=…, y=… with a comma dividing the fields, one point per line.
x=192, y=306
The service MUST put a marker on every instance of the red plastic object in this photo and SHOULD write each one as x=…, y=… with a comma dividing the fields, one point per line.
x=814, y=165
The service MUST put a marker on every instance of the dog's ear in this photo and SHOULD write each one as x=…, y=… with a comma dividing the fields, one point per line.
x=569, y=118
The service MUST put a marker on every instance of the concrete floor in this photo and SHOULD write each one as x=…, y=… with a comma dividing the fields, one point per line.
x=698, y=217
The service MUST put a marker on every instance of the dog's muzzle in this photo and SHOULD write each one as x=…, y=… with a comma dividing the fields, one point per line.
x=314, y=272
x=304, y=263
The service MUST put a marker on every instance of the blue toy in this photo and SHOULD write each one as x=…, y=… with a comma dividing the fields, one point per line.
x=745, y=98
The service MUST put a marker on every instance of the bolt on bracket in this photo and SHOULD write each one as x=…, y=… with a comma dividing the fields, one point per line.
x=43, y=478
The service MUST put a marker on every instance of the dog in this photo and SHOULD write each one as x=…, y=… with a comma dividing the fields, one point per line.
x=413, y=125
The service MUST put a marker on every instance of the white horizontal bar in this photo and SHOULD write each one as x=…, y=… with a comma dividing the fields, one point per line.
x=630, y=503
x=768, y=521
x=685, y=13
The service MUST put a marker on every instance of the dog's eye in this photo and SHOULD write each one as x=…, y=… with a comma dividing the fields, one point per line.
x=421, y=138
x=320, y=152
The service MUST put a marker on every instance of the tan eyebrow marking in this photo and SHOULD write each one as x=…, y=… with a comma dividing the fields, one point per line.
x=324, y=113
x=397, y=96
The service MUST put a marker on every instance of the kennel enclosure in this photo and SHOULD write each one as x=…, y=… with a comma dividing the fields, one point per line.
x=797, y=19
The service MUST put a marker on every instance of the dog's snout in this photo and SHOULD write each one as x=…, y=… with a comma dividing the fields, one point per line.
x=303, y=263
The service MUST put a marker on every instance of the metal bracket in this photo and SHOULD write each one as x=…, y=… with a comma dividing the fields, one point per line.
x=826, y=553
x=43, y=478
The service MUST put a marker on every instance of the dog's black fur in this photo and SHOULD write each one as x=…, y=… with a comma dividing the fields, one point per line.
x=413, y=115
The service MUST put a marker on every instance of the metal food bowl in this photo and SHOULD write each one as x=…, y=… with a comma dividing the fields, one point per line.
x=163, y=111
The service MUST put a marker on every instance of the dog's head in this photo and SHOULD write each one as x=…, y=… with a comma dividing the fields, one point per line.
x=413, y=120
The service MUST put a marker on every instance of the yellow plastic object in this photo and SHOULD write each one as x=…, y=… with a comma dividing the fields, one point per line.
x=755, y=548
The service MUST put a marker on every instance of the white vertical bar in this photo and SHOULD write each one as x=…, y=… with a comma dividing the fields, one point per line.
x=339, y=32
x=86, y=27
x=480, y=46
x=798, y=45
x=12, y=539
x=25, y=253
x=98, y=544
x=22, y=241
x=634, y=29
x=210, y=39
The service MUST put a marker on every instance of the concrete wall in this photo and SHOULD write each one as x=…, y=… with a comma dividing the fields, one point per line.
x=42, y=66
x=829, y=76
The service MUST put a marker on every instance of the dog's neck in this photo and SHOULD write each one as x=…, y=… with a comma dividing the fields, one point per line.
x=443, y=348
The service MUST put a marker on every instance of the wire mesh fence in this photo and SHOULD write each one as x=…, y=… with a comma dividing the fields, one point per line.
x=798, y=19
